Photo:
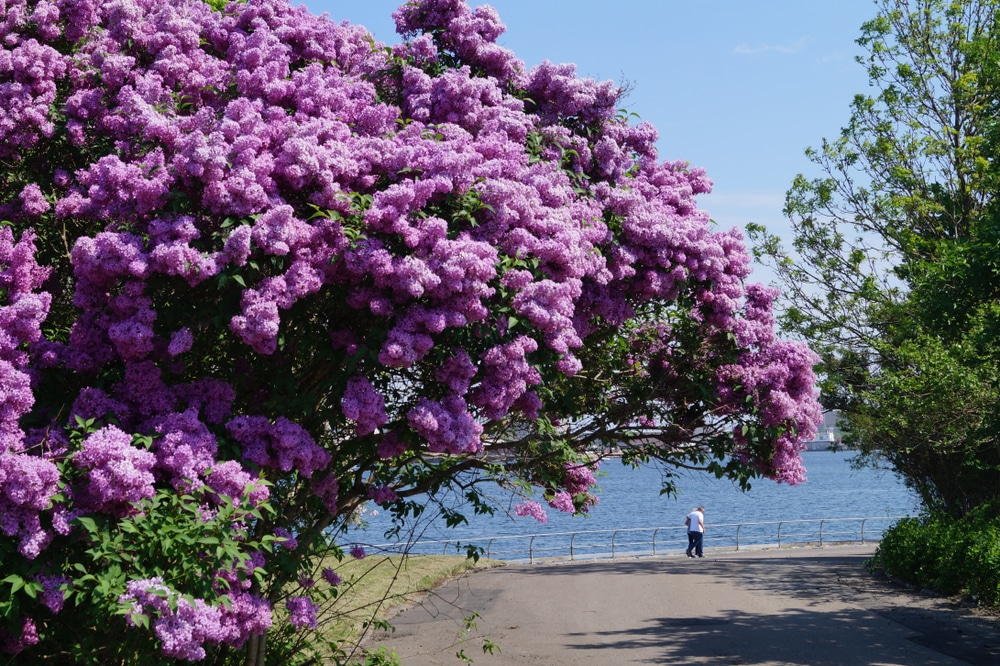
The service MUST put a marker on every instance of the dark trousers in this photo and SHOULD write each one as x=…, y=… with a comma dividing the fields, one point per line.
x=694, y=542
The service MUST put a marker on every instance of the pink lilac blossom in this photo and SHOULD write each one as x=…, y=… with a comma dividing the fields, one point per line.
x=531, y=509
x=579, y=477
x=507, y=375
x=562, y=501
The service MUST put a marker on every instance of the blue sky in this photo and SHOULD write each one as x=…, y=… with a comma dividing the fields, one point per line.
x=738, y=87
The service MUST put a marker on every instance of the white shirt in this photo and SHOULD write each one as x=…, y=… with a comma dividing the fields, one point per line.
x=696, y=521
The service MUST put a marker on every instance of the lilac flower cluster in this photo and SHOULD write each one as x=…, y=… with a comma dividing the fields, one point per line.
x=577, y=482
x=53, y=594
x=532, y=509
x=27, y=637
x=301, y=612
x=184, y=626
x=331, y=577
x=119, y=474
x=283, y=444
x=382, y=494
x=422, y=240
x=778, y=376
x=363, y=405
x=27, y=482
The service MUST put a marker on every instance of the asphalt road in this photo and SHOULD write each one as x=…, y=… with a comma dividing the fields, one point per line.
x=814, y=607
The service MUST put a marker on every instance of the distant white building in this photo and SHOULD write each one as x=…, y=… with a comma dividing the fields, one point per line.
x=828, y=434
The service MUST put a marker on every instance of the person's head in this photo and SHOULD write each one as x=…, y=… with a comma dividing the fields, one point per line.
x=701, y=508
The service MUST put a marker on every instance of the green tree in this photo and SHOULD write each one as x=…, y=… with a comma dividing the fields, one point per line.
x=891, y=276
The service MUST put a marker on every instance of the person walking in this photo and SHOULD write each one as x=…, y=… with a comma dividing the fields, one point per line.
x=695, y=522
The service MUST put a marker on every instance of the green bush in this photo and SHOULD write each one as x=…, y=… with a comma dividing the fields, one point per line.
x=946, y=554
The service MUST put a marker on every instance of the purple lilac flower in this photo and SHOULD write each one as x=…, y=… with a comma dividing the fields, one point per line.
x=183, y=626
x=283, y=444
x=278, y=123
x=327, y=489
x=229, y=479
x=27, y=484
x=362, y=404
x=27, y=638
x=358, y=552
x=118, y=473
x=301, y=612
x=247, y=615
x=285, y=538
x=185, y=449
x=180, y=342
x=53, y=596
x=382, y=494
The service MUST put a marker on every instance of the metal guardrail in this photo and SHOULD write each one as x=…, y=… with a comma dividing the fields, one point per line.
x=654, y=541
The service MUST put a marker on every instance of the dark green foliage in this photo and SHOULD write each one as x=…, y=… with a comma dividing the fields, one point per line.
x=949, y=556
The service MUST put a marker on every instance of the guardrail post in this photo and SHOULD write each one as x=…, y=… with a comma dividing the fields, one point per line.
x=821, y=532
x=614, y=535
x=572, y=539
x=654, y=540
x=863, y=520
x=779, y=534
x=738, y=528
x=531, y=550
x=489, y=549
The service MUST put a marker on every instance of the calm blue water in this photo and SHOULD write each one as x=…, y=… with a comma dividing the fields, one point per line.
x=629, y=498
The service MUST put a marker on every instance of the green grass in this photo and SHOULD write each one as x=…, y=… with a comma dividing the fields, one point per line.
x=378, y=586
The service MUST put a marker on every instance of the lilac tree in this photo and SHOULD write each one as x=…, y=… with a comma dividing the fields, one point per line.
x=258, y=270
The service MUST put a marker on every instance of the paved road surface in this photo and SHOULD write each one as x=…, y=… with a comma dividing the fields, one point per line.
x=814, y=607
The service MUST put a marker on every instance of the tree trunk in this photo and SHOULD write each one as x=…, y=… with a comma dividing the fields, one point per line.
x=255, y=650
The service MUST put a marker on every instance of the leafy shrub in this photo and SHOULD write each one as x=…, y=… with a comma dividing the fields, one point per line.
x=946, y=554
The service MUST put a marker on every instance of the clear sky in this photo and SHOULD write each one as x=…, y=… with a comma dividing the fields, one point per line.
x=739, y=87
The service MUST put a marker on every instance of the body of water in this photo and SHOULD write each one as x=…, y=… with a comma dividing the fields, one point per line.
x=630, y=499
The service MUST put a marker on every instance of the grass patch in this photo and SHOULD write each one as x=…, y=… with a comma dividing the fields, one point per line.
x=380, y=585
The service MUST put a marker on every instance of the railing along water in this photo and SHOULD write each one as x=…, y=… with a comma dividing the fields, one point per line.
x=647, y=541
